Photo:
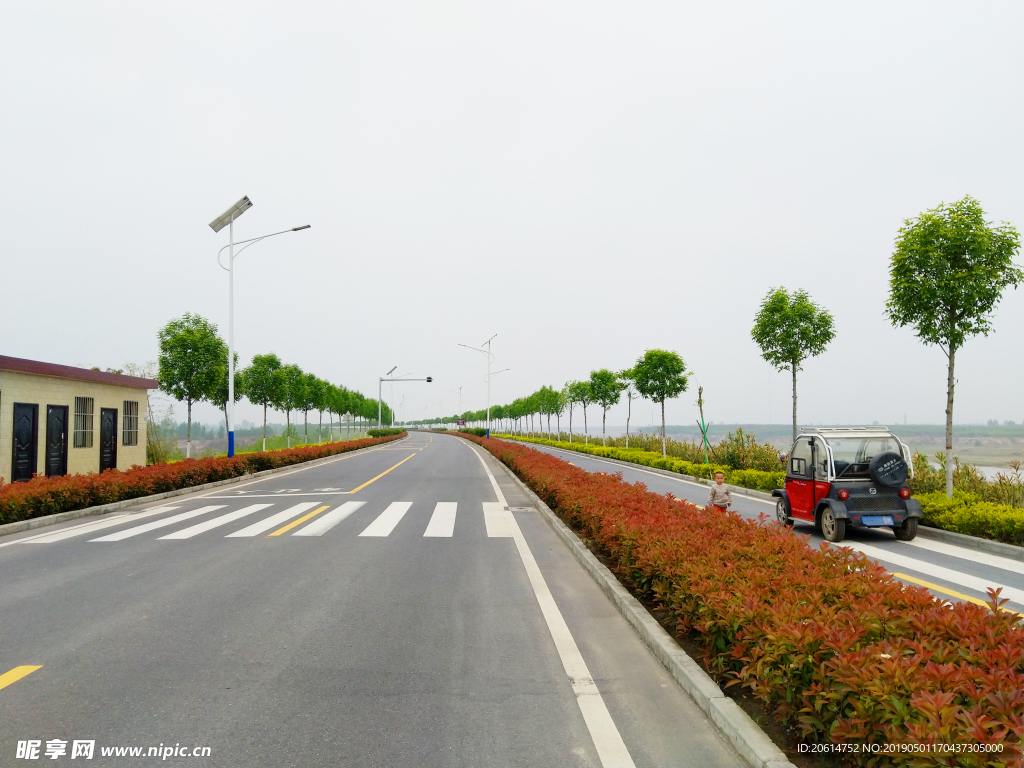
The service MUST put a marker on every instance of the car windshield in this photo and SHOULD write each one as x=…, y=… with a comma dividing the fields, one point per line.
x=852, y=455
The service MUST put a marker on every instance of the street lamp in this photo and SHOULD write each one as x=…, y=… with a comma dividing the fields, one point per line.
x=459, y=392
x=490, y=358
x=380, y=384
x=227, y=219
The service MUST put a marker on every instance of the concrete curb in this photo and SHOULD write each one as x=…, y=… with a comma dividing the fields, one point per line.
x=102, y=509
x=937, y=534
x=743, y=733
x=971, y=542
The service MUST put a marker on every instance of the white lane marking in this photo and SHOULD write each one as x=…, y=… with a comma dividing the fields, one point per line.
x=968, y=554
x=147, y=527
x=607, y=739
x=939, y=572
x=323, y=524
x=78, y=530
x=496, y=520
x=207, y=525
x=273, y=521
x=388, y=519
x=442, y=522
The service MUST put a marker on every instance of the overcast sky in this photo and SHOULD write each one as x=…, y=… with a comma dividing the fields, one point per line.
x=586, y=180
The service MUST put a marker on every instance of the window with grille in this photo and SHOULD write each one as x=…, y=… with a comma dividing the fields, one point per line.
x=83, y=422
x=130, y=422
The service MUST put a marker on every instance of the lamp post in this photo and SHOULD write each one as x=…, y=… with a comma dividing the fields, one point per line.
x=380, y=384
x=228, y=219
x=490, y=358
x=459, y=393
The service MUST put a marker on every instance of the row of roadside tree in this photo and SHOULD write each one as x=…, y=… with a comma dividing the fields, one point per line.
x=193, y=367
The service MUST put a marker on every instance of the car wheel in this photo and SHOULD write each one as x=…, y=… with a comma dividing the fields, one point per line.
x=832, y=528
x=782, y=513
x=907, y=531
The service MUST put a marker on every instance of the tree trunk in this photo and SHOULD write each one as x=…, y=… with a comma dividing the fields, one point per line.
x=558, y=426
x=794, y=402
x=264, y=427
x=188, y=433
x=629, y=412
x=604, y=416
x=664, y=451
x=586, y=434
x=570, y=422
x=319, y=429
x=227, y=427
x=288, y=427
x=305, y=434
x=950, y=383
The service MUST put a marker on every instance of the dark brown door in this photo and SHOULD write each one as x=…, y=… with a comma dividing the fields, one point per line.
x=108, y=438
x=26, y=439
x=56, y=440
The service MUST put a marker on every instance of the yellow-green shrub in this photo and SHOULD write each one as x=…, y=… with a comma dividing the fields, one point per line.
x=966, y=513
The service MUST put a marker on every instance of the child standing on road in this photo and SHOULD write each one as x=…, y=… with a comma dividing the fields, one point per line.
x=719, y=498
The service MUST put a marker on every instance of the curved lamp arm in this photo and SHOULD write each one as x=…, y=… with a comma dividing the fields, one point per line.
x=253, y=241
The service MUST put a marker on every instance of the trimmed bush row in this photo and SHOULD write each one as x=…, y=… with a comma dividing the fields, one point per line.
x=967, y=513
x=386, y=432
x=745, y=478
x=51, y=495
x=840, y=649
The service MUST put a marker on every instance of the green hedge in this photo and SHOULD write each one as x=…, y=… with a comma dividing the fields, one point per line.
x=966, y=513
x=477, y=431
x=384, y=432
x=745, y=478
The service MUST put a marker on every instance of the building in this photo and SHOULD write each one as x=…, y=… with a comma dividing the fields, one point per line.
x=59, y=420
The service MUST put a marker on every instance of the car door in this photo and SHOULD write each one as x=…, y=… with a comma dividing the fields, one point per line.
x=798, y=480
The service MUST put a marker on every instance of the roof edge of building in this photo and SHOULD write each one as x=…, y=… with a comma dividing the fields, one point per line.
x=37, y=368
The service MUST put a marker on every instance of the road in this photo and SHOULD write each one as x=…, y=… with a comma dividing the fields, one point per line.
x=379, y=609
x=951, y=572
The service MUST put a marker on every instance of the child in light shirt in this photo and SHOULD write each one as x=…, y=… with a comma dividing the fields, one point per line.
x=720, y=498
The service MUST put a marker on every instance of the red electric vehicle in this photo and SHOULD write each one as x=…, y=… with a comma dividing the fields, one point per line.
x=849, y=477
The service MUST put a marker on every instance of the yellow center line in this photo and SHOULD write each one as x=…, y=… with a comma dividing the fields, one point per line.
x=378, y=477
x=300, y=521
x=945, y=591
x=16, y=674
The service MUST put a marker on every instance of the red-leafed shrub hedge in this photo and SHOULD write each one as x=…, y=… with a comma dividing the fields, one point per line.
x=50, y=495
x=835, y=645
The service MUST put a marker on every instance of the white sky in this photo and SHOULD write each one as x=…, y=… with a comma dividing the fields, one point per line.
x=587, y=180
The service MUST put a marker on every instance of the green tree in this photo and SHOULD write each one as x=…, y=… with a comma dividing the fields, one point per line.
x=789, y=329
x=660, y=375
x=579, y=393
x=606, y=390
x=191, y=358
x=263, y=384
x=308, y=402
x=219, y=396
x=293, y=395
x=629, y=387
x=946, y=276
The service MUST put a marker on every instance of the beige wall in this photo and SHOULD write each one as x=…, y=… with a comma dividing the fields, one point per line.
x=17, y=387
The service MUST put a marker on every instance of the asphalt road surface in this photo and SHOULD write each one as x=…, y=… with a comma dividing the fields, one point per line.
x=950, y=571
x=401, y=606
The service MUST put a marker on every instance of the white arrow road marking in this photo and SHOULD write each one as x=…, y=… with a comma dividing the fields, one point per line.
x=607, y=739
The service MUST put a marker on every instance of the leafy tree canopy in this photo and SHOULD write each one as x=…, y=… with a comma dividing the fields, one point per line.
x=948, y=273
x=790, y=328
x=605, y=387
x=660, y=375
x=192, y=358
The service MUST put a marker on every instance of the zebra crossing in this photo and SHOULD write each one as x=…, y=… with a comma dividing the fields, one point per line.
x=307, y=518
